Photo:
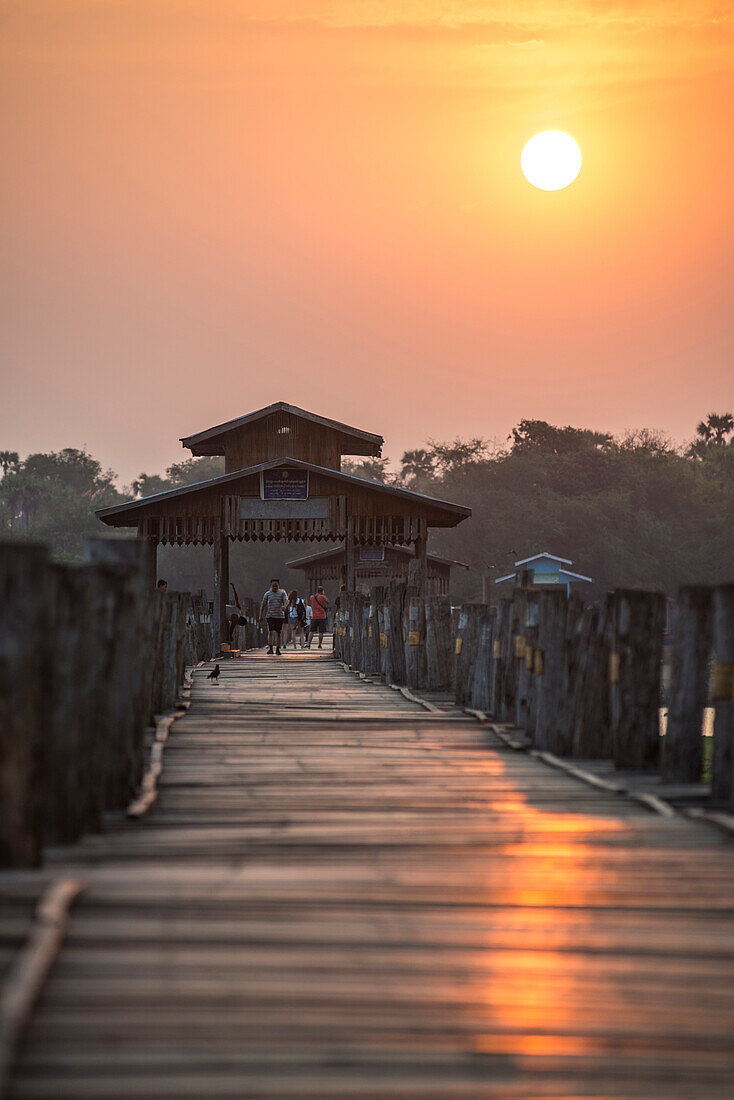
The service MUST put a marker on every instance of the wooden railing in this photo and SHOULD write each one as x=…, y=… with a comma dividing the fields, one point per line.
x=88, y=655
x=580, y=681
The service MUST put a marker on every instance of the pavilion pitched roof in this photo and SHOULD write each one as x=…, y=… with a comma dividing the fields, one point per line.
x=337, y=551
x=374, y=442
x=456, y=512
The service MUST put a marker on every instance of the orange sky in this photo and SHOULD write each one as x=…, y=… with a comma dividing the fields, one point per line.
x=209, y=206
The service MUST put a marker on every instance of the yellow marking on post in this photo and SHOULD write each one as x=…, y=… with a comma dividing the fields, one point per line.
x=538, y=662
x=383, y=640
x=369, y=631
x=520, y=644
x=722, y=683
x=457, y=647
x=613, y=668
x=496, y=649
x=414, y=637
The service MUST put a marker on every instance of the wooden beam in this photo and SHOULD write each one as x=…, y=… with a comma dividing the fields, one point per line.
x=421, y=559
x=221, y=590
x=349, y=555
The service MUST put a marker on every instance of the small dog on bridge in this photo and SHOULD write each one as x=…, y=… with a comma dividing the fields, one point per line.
x=214, y=674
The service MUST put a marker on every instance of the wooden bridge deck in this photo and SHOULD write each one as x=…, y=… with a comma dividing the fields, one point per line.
x=342, y=895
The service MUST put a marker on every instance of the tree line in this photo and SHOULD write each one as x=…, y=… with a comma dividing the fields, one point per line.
x=631, y=510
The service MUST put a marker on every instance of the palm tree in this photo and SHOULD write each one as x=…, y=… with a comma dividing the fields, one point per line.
x=9, y=460
x=715, y=428
x=714, y=431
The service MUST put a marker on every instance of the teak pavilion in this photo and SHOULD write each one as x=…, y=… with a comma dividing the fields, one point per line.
x=374, y=565
x=283, y=482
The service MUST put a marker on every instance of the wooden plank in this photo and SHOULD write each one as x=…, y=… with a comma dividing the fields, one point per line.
x=339, y=893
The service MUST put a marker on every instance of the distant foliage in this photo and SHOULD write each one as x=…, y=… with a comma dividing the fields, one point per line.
x=628, y=510
x=371, y=469
x=187, y=472
x=52, y=497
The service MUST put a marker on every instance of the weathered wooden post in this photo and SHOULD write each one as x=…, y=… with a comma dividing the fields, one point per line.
x=347, y=607
x=337, y=629
x=569, y=642
x=396, y=598
x=524, y=664
x=480, y=678
x=372, y=638
x=414, y=642
x=360, y=629
x=722, y=695
x=439, y=649
x=638, y=621
x=497, y=669
x=72, y=756
x=383, y=619
x=512, y=647
x=137, y=553
x=548, y=667
x=221, y=590
x=418, y=569
x=361, y=603
x=591, y=714
x=125, y=683
x=455, y=614
x=683, y=743
x=24, y=702
x=350, y=577
x=465, y=651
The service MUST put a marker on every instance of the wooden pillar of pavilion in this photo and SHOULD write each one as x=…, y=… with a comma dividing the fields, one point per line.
x=153, y=563
x=350, y=579
x=221, y=590
x=421, y=563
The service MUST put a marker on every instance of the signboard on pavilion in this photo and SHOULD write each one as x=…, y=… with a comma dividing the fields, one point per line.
x=284, y=508
x=372, y=553
x=284, y=484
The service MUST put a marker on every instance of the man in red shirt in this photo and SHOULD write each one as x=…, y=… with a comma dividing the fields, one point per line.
x=319, y=604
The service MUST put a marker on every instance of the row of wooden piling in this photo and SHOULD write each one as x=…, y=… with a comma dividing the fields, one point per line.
x=581, y=681
x=88, y=655
x=249, y=631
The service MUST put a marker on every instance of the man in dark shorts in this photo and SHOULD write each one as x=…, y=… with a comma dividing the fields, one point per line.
x=273, y=608
x=319, y=604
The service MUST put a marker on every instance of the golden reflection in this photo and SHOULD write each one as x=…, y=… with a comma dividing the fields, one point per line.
x=540, y=1001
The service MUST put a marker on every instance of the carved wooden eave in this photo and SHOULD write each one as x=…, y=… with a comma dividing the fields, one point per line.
x=373, y=512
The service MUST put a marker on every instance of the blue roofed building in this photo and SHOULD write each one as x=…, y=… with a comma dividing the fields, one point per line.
x=544, y=571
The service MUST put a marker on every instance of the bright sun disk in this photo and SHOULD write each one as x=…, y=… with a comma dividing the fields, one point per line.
x=551, y=160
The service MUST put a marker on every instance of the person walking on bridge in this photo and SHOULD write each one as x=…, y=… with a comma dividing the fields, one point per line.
x=319, y=604
x=296, y=612
x=273, y=608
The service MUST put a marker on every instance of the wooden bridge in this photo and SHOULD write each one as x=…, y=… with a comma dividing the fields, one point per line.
x=340, y=893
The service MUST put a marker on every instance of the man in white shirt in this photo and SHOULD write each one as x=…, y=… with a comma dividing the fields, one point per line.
x=273, y=608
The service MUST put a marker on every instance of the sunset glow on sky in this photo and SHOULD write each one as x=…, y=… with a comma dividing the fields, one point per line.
x=208, y=207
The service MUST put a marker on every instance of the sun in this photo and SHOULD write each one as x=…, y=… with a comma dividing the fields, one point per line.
x=551, y=160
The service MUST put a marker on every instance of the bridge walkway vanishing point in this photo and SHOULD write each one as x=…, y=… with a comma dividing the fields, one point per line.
x=340, y=894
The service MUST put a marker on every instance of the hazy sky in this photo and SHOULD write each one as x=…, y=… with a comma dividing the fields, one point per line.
x=209, y=206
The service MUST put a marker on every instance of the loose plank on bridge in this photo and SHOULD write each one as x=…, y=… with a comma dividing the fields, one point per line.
x=341, y=894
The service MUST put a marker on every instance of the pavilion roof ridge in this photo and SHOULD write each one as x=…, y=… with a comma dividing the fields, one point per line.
x=271, y=464
x=279, y=406
x=388, y=546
